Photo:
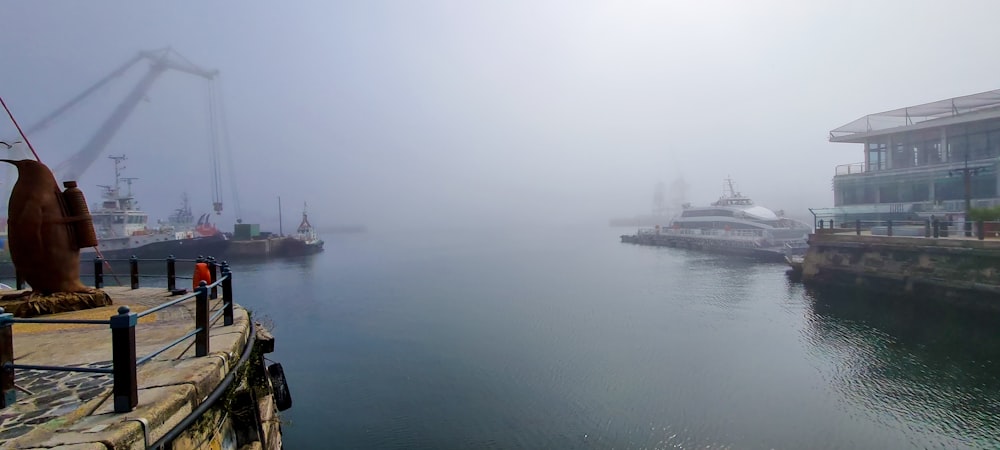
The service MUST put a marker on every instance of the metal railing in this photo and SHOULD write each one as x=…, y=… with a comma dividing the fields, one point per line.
x=850, y=169
x=927, y=228
x=124, y=362
x=171, y=276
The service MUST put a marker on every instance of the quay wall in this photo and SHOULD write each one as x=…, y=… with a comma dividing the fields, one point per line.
x=246, y=416
x=185, y=401
x=259, y=248
x=960, y=270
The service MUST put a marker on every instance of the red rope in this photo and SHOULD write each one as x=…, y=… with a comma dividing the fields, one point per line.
x=26, y=141
x=108, y=265
x=33, y=152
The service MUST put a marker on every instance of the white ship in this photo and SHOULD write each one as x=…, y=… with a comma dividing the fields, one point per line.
x=734, y=224
x=123, y=230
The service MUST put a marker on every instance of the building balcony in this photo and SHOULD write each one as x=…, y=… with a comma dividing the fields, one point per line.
x=862, y=170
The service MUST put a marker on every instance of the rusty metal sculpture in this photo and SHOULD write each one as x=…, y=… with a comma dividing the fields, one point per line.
x=45, y=230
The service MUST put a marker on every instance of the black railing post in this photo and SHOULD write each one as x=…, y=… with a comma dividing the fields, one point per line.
x=937, y=228
x=980, y=233
x=8, y=394
x=227, y=294
x=126, y=385
x=133, y=264
x=889, y=227
x=98, y=272
x=927, y=228
x=201, y=320
x=171, y=273
x=213, y=272
x=857, y=226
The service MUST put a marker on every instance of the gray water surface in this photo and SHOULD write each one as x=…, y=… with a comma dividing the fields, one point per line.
x=566, y=338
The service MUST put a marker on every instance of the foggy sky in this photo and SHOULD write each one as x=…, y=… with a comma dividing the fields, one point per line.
x=427, y=113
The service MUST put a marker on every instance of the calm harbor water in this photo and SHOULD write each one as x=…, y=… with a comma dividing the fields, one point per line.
x=566, y=338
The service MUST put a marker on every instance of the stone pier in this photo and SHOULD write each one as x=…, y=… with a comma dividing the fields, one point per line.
x=71, y=410
x=958, y=269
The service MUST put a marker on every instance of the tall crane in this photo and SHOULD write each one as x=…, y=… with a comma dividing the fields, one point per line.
x=160, y=61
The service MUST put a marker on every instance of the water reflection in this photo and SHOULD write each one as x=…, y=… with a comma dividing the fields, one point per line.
x=923, y=365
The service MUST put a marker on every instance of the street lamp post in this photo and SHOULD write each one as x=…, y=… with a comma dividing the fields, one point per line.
x=967, y=174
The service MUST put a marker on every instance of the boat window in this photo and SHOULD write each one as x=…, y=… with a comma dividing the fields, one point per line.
x=707, y=213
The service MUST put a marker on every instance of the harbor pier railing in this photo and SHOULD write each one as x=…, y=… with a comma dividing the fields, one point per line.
x=926, y=228
x=124, y=361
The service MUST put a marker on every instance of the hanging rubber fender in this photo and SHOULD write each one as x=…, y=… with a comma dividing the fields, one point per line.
x=282, y=398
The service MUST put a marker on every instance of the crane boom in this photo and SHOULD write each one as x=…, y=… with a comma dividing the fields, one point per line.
x=47, y=120
x=160, y=60
x=72, y=168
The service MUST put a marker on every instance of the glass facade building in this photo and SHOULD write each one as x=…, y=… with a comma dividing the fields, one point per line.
x=916, y=159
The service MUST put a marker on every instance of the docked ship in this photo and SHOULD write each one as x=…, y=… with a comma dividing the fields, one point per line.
x=249, y=242
x=734, y=224
x=305, y=241
x=123, y=230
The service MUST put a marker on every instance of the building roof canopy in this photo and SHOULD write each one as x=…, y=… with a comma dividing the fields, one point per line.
x=912, y=115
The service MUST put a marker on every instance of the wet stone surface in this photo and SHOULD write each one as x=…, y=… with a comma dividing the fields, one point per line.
x=53, y=395
x=50, y=400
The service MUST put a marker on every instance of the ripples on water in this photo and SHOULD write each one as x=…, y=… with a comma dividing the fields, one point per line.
x=919, y=365
x=569, y=339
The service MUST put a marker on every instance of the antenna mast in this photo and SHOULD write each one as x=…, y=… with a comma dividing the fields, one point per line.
x=118, y=170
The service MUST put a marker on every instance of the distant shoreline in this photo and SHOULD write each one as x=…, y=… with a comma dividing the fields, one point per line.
x=343, y=229
x=639, y=221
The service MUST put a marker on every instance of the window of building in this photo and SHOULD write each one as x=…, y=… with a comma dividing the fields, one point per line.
x=993, y=139
x=978, y=148
x=950, y=188
x=877, y=157
x=912, y=192
x=957, y=146
x=857, y=194
x=902, y=156
x=983, y=186
x=888, y=193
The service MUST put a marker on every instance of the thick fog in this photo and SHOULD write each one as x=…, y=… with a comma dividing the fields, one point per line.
x=410, y=114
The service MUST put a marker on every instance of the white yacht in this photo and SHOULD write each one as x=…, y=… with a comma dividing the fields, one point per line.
x=733, y=224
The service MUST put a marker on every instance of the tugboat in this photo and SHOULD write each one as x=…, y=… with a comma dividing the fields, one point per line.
x=734, y=225
x=123, y=231
x=249, y=242
x=305, y=241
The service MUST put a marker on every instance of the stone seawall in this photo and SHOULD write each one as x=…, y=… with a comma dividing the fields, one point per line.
x=960, y=270
x=239, y=394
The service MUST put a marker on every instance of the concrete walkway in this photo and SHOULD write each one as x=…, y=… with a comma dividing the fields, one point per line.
x=70, y=410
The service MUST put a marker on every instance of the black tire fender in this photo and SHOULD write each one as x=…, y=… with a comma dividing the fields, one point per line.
x=279, y=385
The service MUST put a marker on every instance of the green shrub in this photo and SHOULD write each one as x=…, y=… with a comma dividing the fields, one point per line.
x=990, y=214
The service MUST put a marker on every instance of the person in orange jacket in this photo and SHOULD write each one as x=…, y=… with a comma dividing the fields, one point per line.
x=201, y=273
